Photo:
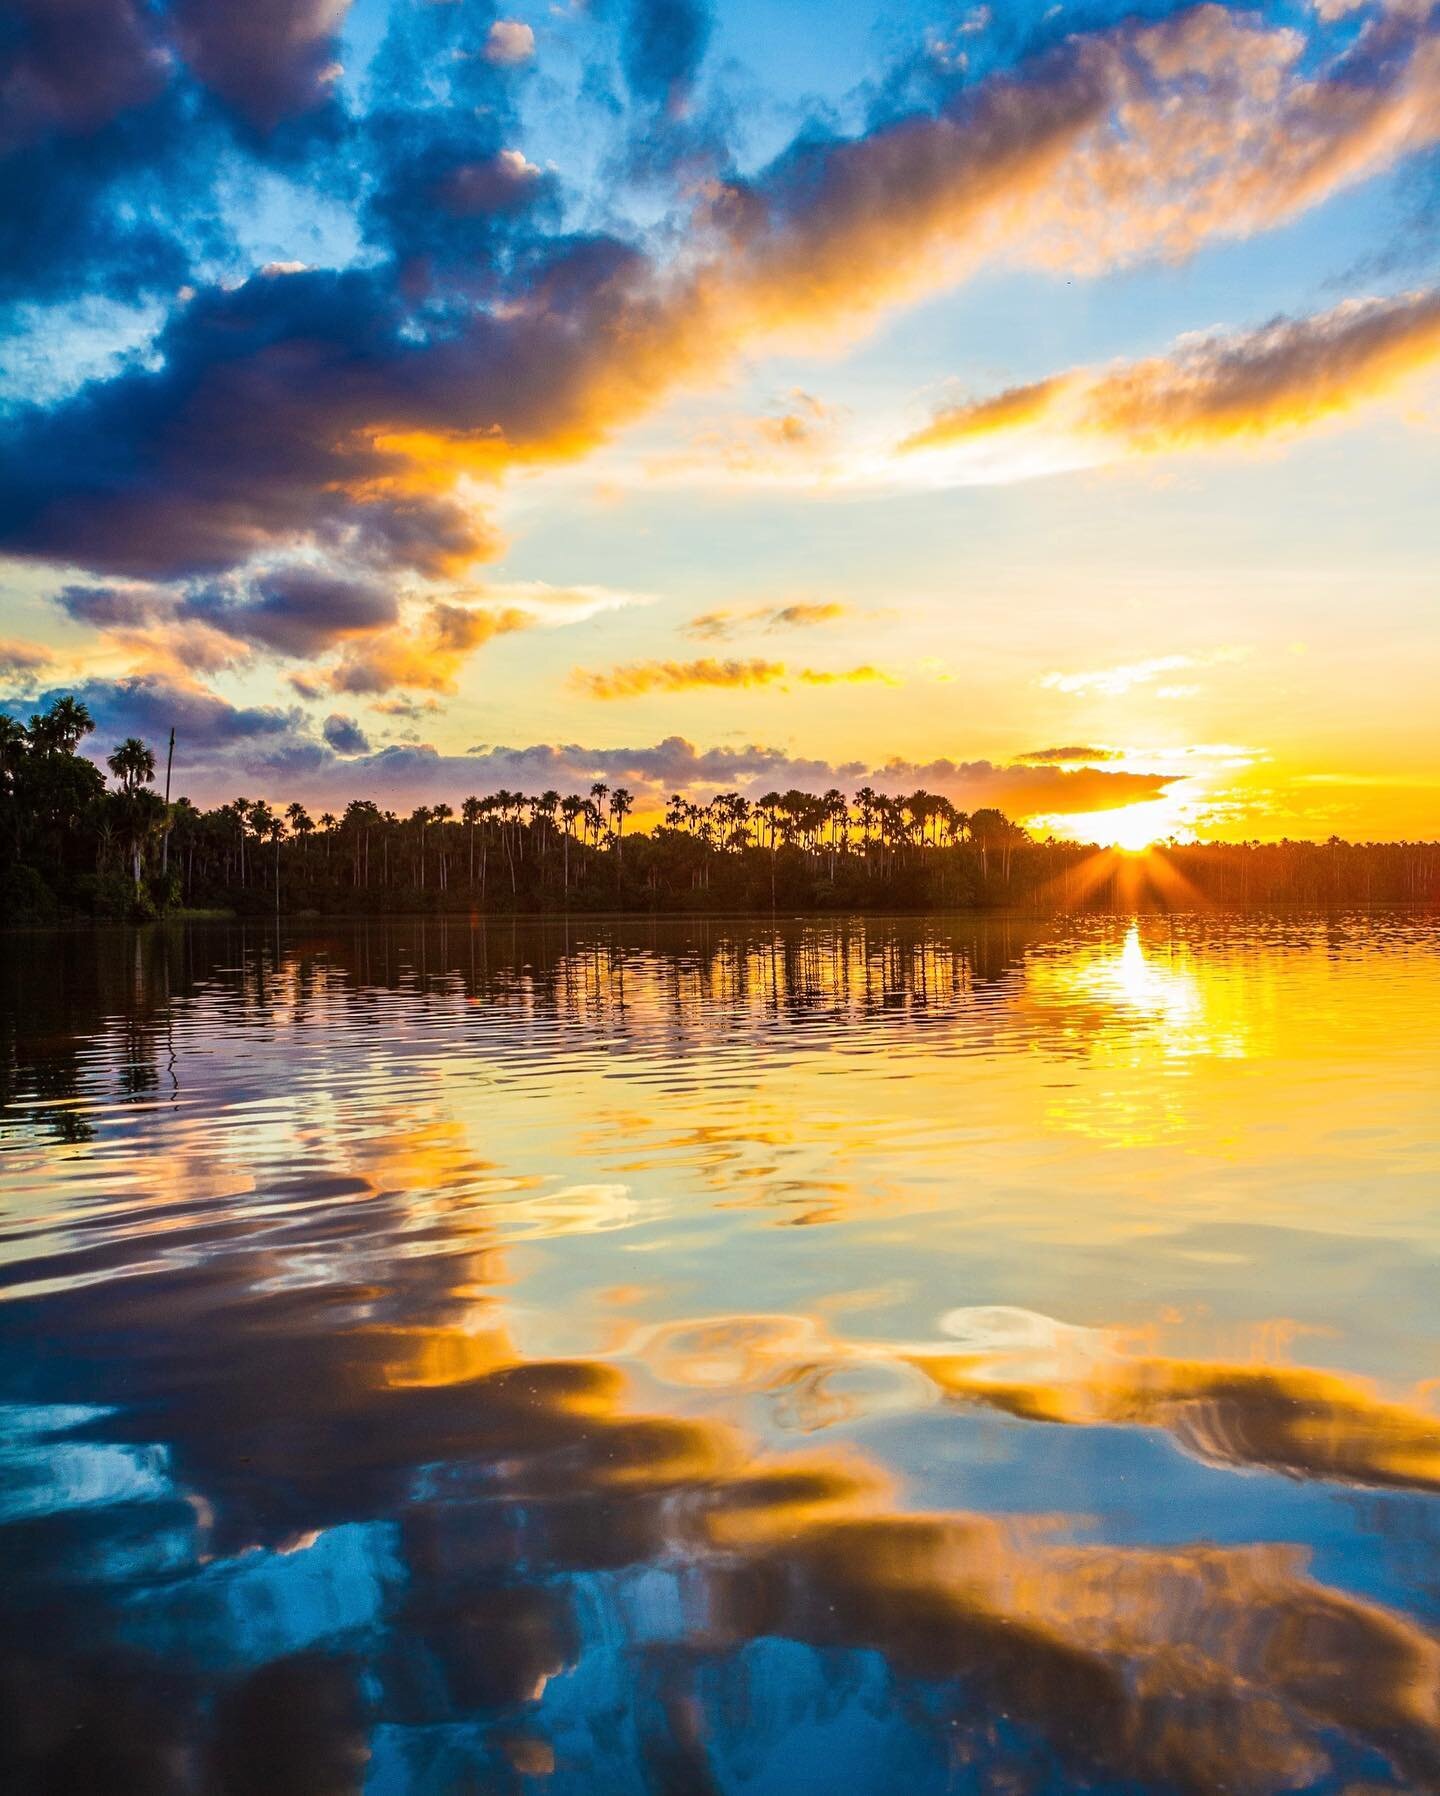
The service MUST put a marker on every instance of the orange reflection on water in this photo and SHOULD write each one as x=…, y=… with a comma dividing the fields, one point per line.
x=1300, y=1420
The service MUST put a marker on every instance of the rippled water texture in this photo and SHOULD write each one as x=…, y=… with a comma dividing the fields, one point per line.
x=855, y=1357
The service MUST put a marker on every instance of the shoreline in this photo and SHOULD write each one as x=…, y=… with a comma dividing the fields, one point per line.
x=550, y=919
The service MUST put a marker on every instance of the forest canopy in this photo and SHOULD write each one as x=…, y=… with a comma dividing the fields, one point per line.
x=77, y=845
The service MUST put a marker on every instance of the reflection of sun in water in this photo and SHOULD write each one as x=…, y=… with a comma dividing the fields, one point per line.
x=1149, y=1012
x=1169, y=993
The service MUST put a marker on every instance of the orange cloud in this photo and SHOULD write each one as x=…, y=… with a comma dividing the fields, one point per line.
x=636, y=677
x=1287, y=376
x=427, y=658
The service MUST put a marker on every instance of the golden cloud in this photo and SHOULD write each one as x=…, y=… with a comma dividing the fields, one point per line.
x=633, y=678
x=1287, y=376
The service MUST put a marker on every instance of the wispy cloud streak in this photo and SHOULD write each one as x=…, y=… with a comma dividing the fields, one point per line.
x=636, y=678
x=1286, y=377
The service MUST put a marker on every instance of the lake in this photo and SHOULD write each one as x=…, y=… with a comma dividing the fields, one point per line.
x=836, y=1356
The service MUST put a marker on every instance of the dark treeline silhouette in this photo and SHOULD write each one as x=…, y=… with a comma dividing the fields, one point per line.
x=73, y=846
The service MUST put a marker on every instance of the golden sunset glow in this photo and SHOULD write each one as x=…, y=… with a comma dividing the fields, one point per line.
x=1132, y=827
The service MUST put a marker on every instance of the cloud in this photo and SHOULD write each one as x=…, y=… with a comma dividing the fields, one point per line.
x=718, y=626
x=289, y=613
x=509, y=42
x=74, y=68
x=162, y=630
x=1219, y=388
x=118, y=134
x=1142, y=139
x=1022, y=791
x=560, y=604
x=207, y=726
x=245, y=441
x=362, y=412
x=19, y=660
x=306, y=614
x=1014, y=409
x=803, y=616
x=504, y=182
x=424, y=658
x=281, y=753
x=1114, y=680
x=1043, y=756
x=109, y=607
x=865, y=675
x=407, y=775
x=345, y=735
x=296, y=612
x=268, y=59
x=664, y=44
x=800, y=437
x=638, y=677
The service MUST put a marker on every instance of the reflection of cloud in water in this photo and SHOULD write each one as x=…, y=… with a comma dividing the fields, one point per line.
x=574, y=1210
x=1303, y=1422
x=519, y=1505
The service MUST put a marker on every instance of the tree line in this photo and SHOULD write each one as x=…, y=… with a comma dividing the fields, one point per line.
x=75, y=846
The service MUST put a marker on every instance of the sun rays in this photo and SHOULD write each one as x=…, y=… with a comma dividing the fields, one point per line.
x=1138, y=878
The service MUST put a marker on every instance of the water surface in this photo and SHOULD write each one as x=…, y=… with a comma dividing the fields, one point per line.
x=834, y=1357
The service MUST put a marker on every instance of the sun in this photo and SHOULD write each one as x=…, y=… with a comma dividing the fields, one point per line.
x=1132, y=833
x=1133, y=828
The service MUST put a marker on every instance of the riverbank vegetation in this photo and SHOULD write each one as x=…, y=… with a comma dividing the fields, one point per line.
x=74, y=845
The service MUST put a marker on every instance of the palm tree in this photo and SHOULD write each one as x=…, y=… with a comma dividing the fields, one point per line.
x=571, y=810
x=299, y=820
x=440, y=815
x=471, y=812
x=421, y=816
x=276, y=832
x=542, y=810
x=141, y=813
x=60, y=728
x=268, y=828
x=506, y=802
x=241, y=808
x=133, y=764
x=621, y=805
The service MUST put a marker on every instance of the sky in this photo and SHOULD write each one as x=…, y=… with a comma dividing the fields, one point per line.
x=1033, y=403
